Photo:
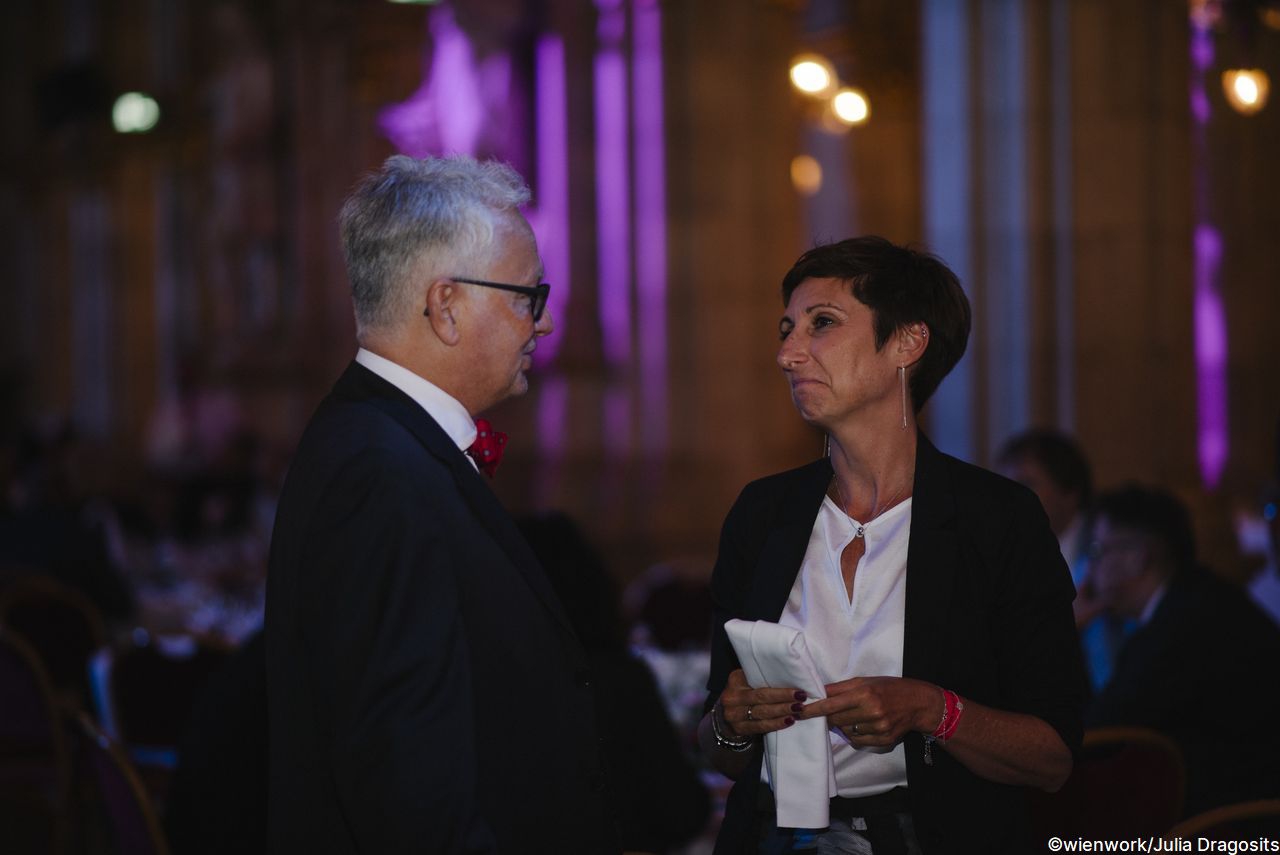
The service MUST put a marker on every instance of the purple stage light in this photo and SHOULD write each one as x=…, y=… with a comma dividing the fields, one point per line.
x=1212, y=433
x=613, y=202
x=550, y=214
x=651, y=219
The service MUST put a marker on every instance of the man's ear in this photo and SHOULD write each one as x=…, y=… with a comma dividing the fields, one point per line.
x=913, y=341
x=442, y=302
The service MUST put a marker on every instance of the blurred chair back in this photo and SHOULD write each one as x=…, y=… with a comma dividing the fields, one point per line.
x=34, y=771
x=61, y=624
x=1127, y=782
x=127, y=816
x=145, y=690
x=1243, y=821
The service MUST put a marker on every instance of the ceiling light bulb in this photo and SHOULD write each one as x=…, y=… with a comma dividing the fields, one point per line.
x=1246, y=89
x=806, y=174
x=134, y=113
x=850, y=106
x=812, y=74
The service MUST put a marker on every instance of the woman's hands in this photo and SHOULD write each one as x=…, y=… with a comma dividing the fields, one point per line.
x=1006, y=747
x=751, y=712
x=879, y=711
x=870, y=711
x=770, y=710
x=873, y=712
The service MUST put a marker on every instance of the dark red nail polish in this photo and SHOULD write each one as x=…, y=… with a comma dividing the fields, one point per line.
x=801, y=696
x=788, y=721
x=797, y=707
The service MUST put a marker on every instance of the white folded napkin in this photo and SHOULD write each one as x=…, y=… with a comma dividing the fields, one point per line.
x=798, y=758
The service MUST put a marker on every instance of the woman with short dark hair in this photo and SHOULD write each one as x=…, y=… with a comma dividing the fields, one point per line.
x=931, y=594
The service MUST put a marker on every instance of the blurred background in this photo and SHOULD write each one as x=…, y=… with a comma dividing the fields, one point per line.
x=174, y=292
x=1102, y=175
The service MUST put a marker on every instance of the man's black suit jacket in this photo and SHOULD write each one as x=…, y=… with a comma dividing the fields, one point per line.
x=426, y=692
x=1203, y=670
x=988, y=615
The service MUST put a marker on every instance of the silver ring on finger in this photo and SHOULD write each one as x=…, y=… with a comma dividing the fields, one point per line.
x=855, y=727
x=749, y=716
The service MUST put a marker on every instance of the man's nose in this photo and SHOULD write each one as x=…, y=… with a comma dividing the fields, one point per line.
x=545, y=324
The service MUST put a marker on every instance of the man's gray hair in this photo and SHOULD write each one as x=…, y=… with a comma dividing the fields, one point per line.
x=437, y=211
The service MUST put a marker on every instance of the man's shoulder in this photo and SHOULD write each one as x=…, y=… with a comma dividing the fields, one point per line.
x=1200, y=600
x=353, y=444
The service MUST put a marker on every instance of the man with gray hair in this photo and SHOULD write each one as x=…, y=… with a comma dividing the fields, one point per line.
x=426, y=691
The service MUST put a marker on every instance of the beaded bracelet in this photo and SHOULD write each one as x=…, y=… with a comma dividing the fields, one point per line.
x=739, y=745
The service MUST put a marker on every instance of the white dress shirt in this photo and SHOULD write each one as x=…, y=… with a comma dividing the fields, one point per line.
x=452, y=417
x=858, y=638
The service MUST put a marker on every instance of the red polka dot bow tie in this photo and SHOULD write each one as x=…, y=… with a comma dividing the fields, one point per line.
x=486, y=451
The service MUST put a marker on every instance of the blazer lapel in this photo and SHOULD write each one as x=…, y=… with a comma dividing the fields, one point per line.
x=360, y=382
x=932, y=563
x=786, y=543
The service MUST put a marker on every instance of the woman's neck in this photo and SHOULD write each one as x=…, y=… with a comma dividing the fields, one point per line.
x=874, y=470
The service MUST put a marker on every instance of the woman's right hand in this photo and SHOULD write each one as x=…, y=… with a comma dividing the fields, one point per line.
x=751, y=712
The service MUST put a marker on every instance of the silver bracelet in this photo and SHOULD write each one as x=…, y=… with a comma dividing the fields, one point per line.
x=739, y=745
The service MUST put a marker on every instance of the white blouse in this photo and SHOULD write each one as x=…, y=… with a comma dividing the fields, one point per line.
x=858, y=637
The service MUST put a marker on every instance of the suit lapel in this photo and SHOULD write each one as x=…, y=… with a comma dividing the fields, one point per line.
x=932, y=563
x=360, y=383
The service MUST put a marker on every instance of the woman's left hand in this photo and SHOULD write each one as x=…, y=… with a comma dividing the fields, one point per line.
x=879, y=711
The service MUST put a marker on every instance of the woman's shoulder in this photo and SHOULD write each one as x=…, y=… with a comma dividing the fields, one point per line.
x=973, y=484
x=782, y=487
x=983, y=503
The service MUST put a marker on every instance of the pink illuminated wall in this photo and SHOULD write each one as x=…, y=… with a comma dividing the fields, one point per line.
x=1210, y=318
x=464, y=105
x=550, y=214
x=613, y=184
x=650, y=220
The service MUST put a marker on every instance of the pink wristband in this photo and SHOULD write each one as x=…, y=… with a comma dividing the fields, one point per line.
x=952, y=710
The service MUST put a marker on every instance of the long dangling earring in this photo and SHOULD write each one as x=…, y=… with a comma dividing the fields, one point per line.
x=826, y=445
x=902, y=381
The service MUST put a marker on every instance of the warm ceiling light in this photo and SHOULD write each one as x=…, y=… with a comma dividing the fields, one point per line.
x=134, y=113
x=812, y=74
x=806, y=174
x=1246, y=89
x=850, y=106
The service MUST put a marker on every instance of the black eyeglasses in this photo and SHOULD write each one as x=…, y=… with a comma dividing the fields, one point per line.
x=537, y=294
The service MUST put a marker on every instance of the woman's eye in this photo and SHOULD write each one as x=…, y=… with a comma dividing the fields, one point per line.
x=822, y=321
x=783, y=332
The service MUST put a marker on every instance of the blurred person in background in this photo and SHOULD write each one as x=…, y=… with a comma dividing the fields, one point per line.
x=1265, y=585
x=1052, y=465
x=659, y=800
x=1201, y=665
x=53, y=524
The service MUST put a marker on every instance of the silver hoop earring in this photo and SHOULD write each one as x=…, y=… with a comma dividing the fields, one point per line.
x=902, y=382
